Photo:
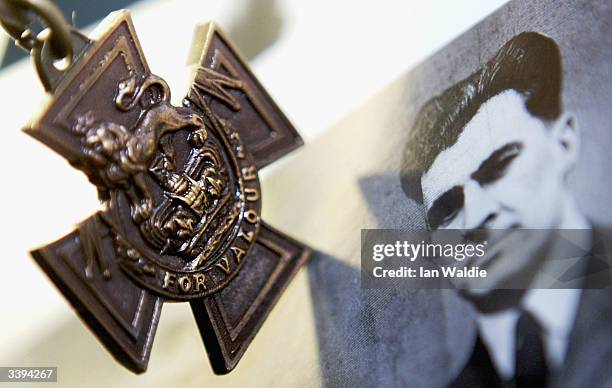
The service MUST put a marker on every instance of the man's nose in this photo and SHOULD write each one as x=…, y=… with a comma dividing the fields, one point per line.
x=479, y=206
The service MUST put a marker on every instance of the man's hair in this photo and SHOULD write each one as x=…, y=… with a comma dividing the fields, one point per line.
x=529, y=63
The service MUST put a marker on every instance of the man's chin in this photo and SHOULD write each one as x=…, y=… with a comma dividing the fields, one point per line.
x=511, y=266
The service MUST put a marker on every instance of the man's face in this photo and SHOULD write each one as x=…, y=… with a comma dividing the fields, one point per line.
x=506, y=170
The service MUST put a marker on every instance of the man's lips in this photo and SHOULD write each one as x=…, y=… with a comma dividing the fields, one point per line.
x=497, y=241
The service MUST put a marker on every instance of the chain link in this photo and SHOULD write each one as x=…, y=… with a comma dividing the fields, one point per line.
x=18, y=18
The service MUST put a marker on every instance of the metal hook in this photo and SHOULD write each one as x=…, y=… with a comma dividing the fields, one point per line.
x=58, y=42
x=17, y=16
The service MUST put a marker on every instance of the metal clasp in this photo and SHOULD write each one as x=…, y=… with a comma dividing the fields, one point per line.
x=55, y=48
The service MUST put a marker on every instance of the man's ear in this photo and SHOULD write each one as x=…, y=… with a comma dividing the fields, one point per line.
x=566, y=132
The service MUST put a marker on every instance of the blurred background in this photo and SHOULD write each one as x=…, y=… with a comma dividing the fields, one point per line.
x=319, y=60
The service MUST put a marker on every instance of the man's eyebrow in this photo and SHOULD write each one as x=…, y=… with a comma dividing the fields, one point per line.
x=490, y=168
x=444, y=205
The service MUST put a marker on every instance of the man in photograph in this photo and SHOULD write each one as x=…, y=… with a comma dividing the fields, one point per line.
x=492, y=153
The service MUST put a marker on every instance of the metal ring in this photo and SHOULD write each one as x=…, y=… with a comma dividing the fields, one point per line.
x=15, y=20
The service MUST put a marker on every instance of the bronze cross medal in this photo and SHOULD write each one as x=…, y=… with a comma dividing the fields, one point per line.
x=179, y=185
